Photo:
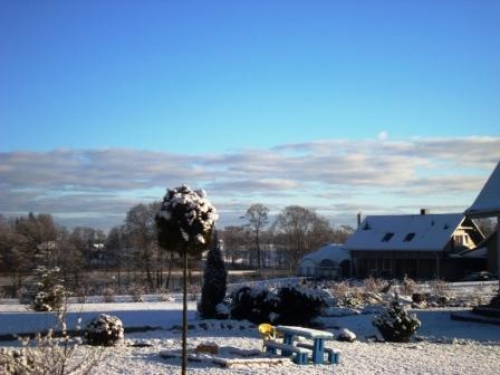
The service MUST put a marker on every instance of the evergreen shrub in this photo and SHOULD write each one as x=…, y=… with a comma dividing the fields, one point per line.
x=214, y=287
x=299, y=306
x=288, y=305
x=257, y=305
x=395, y=323
x=49, y=293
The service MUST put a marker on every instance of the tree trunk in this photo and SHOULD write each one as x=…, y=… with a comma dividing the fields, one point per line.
x=184, y=311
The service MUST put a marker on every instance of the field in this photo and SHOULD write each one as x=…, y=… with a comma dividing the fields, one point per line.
x=442, y=346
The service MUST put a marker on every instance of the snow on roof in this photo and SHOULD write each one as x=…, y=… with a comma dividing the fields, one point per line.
x=427, y=232
x=334, y=252
x=487, y=202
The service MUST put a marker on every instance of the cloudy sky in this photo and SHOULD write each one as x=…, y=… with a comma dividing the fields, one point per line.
x=339, y=106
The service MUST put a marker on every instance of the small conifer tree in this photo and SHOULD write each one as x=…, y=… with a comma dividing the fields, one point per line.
x=214, y=282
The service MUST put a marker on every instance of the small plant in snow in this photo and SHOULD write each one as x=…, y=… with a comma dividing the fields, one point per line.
x=137, y=292
x=105, y=330
x=108, y=295
x=81, y=294
x=49, y=355
x=408, y=286
x=439, y=288
x=49, y=293
x=395, y=323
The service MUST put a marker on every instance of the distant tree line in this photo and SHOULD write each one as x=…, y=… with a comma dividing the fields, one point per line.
x=131, y=250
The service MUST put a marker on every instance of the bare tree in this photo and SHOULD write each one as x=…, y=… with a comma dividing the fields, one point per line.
x=140, y=228
x=257, y=220
x=235, y=244
x=304, y=231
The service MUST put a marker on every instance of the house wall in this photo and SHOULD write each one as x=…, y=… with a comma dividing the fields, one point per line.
x=397, y=264
x=420, y=265
x=492, y=261
x=307, y=268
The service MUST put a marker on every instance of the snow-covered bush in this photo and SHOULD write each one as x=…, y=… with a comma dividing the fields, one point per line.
x=16, y=362
x=48, y=355
x=293, y=305
x=258, y=305
x=300, y=306
x=105, y=330
x=49, y=293
x=395, y=323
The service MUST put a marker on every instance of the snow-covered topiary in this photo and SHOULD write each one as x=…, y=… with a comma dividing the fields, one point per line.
x=105, y=330
x=395, y=323
x=186, y=217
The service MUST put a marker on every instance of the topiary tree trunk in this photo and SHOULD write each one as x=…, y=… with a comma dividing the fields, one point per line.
x=184, y=225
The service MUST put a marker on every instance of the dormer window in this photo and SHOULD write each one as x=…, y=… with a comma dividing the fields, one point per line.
x=409, y=237
x=387, y=237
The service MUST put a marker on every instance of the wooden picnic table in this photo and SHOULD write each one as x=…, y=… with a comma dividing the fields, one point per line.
x=317, y=336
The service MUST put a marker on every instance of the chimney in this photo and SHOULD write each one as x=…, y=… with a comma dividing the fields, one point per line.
x=424, y=211
x=359, y=219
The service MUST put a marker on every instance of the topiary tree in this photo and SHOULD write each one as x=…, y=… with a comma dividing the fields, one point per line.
x=184, y=225
x=214, y=282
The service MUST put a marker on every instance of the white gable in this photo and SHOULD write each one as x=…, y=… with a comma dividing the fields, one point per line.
x=487, y=202
x=429, y=232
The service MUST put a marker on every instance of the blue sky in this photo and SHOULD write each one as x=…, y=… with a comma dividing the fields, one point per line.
x=340, y=106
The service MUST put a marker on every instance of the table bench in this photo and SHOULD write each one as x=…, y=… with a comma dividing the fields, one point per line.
x=318, y=338
x=301, y=354
x=332, y=354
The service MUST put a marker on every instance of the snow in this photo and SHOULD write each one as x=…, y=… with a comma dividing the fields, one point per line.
x=444, y=346
x=431, y=232
x=333, y=252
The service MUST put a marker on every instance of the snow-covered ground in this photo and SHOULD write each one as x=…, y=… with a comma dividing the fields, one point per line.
x=443, y=346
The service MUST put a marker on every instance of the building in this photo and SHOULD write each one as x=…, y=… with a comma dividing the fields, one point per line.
x=331, y=261
x=422, y=246
x=487, y=205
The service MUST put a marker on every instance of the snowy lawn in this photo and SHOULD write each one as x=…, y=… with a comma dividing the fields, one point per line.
x=442, y=346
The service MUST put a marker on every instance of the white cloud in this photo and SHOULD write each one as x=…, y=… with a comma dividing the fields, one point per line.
x=99, y=186
x=383, y=135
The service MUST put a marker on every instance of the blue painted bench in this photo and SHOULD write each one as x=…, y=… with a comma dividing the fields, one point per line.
x=301, y=354
x=333, y=355
x=318, y=338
